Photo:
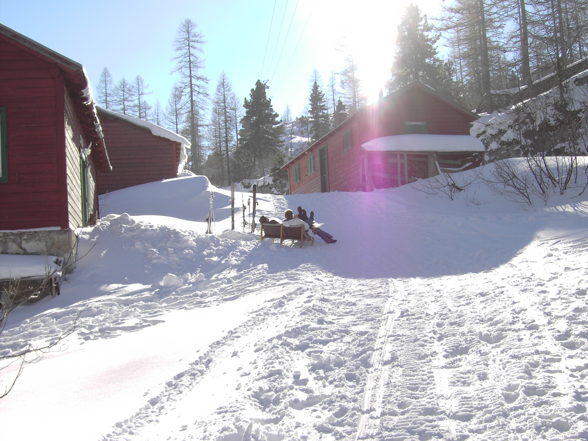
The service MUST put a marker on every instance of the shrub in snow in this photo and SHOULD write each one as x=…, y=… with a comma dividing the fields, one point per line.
x=171, y=281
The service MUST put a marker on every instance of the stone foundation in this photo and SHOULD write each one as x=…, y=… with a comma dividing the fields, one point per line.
x=60, y=243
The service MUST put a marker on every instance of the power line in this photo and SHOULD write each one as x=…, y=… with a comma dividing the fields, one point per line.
x=268, y=39
x=279, y=36
x=300, y=37
x=286, y=38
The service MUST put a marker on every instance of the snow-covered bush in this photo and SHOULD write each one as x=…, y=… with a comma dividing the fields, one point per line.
x=549, y=131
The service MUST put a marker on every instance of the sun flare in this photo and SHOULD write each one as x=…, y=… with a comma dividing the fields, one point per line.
x=366, y=31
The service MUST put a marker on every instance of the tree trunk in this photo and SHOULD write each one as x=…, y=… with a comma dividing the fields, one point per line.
x=524, y=37
x=484, y=57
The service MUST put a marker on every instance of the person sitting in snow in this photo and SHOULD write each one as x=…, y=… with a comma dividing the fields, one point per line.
x=309, y=224
x=308, y=219
x=266, y=220
x=291, y=221
x=328, y=238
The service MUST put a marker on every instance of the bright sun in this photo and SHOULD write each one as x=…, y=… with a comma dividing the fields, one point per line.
x=366, y=30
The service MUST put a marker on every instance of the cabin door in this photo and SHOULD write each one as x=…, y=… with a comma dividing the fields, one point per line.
x=84, y=189
x=324, y=169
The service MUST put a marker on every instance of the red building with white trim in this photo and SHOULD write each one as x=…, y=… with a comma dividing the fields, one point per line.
x=345, y=160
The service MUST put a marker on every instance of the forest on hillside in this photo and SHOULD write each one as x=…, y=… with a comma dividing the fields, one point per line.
x=477, y=52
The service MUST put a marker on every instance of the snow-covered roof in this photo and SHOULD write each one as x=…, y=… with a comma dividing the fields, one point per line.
x=154, y=128
x=424, y=143
x=156, y=131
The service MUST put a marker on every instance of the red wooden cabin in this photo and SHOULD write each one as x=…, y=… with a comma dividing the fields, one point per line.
x=139, y=151
x=51, y=145
x=358, y=154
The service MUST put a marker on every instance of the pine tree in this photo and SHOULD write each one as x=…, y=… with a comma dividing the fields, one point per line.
x=416, y=55
x=333, y=96
x=222, y=123
x=351, y=86
x=340, y=113
x=141, y=105
x=189, y=64
x=318, y=114
x=260, y=137
x=214, y=166
x=476, y=28
x=157, y=116
x=176, y=109
x=123, y=98
x=105, y=89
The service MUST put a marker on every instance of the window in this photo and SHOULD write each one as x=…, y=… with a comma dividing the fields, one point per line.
x=3, y=146
x=296, y=173
x=415, y=127
x=347, y=140
x=310, y=164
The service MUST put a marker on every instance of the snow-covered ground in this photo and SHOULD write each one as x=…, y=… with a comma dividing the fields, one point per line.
x=430, y=319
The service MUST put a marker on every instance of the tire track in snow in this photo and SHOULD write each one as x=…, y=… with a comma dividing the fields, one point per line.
x=377, y=378
x=182, y=384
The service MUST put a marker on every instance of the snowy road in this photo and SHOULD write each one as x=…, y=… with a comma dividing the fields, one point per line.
x=457, y=321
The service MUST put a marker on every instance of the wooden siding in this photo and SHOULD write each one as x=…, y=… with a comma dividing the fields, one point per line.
x=137, y=156
x=74, y=142
x=30, y=89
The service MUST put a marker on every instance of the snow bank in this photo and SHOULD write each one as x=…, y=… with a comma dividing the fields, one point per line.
x=498, y=130
x=17, y=266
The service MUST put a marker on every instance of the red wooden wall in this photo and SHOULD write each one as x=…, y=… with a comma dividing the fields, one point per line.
x=32, y=91
x=137, y=156
x=385, y=118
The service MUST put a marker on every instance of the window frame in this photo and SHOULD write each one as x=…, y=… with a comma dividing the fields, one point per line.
x=347, y=140
x=3, y=147
x=310, y=164
x=296, y=173
x=416, y=127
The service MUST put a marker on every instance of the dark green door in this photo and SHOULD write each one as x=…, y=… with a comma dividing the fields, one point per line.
x=324, y=168
x=84, y=189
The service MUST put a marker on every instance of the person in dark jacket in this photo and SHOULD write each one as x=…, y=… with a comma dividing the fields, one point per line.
x=316, y=230
x=266, y=220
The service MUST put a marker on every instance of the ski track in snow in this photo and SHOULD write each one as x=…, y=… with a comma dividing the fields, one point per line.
x=307, y=363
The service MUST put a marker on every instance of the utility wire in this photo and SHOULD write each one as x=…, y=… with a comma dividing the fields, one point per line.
x=268, y=39
x=279, y=36
x=295, y=51
x=286, y=38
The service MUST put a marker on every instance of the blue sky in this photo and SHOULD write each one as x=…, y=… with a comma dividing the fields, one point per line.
x=281, y=41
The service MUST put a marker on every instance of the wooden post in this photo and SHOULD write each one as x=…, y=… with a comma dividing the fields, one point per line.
x=253, y=208
x=233, y=206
